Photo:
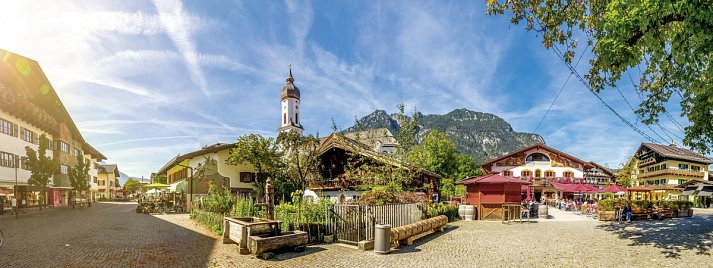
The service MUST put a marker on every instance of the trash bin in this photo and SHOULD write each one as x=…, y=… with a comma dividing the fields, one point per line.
x=382, y=238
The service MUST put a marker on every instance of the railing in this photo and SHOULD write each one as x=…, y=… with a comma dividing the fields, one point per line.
x=672, y=171
x=647, y=161
x=354, y=223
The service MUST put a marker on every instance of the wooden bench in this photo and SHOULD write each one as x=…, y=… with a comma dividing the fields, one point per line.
x=638, y=214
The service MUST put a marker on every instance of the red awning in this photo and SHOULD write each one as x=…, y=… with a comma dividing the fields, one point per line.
x=492, y=178
x=614, y=189
x=592, y=188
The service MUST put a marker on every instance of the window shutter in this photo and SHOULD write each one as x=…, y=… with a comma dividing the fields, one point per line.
x=14, y=130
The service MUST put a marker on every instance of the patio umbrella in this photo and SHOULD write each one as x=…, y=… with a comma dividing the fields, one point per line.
x=156, y=185
x=614, y=188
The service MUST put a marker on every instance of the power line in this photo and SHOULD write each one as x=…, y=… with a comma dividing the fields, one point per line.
x=638, y=92
x=559, y=92
x=639, y=117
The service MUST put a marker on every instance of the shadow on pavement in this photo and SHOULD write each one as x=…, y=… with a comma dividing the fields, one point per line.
x=671, y=236
x=104, y=235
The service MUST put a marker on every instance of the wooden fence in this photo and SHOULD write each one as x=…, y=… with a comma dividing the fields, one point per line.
x=354, y=223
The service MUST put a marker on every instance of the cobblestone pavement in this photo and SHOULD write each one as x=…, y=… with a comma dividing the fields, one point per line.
x=112, y=235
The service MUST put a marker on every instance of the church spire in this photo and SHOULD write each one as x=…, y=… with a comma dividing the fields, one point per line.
x=290, y=80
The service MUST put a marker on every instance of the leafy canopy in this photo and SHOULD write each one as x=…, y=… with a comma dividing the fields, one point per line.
x=262, y=153
x=301, y=156
x=41, y=166
x=668, y=43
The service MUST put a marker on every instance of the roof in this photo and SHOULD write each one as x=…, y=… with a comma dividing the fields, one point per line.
x=290, y=90
x=205, y=150
x=694, y=182
x=614, y=188
x=27, y=82
x=335, y=140
x=673, y=151
x=639, y=189
x=487, y=165
x=88, y=149
x=602, y=168
x=108, y=169
x=493, y=178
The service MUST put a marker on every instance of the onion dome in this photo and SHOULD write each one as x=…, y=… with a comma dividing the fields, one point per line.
x=290, y=90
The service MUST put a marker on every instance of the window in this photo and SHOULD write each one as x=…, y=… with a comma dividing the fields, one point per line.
x=28, y=136
x=507, y=173
x=525, y=173
x=568, y=174
x=284, y=118
x=7, y=160
x=549, y=174
x=663, y=166
x=297, y=118
x=102, y=182
x=682, y=166
x=63, y=169
x=63, y=146
x=77, y=152
x=695, y=168
x=247, y=177
x=537, y=157
x=94, y=179
x=538, y=173
x=23, y=163
x=8, y=127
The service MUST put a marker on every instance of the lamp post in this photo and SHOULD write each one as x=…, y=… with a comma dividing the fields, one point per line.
x=17, y=163
x=190, y=188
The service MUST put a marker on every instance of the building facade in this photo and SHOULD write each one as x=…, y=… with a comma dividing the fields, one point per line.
x=209, y=165
x=664, y=167
x=29, y=108
x=540, y=164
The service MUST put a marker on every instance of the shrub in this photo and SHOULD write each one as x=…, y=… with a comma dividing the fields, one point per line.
x=610, y=204
x=211, y=220
x=245, y=207
x=442, y=209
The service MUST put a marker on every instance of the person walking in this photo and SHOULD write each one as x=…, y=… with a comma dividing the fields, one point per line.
x=627, y=212
x=13, y=202
x=24, y=205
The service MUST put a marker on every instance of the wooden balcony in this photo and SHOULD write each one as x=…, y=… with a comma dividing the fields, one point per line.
x=647, y=161
x=672, y=171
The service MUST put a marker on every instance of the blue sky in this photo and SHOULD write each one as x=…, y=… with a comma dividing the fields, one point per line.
x=145, y=81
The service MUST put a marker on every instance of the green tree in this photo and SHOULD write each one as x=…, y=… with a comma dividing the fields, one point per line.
x=132, y=185
x=436, y=153
x=408, y=128
x=671, y=41
x=78, y=177
x=159, y=178
x=628, y=170
x=41, y=167
x=302, y=156
x=262, y=153
x=116, y=183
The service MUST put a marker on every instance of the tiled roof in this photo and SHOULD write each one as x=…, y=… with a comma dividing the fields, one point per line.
x=672, y=151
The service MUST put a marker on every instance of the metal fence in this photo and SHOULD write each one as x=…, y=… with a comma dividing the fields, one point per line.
x=354, y=223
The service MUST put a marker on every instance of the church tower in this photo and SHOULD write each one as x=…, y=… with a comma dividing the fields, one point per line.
x=290, y=101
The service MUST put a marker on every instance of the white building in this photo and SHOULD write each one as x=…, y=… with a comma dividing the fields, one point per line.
x=290, y=101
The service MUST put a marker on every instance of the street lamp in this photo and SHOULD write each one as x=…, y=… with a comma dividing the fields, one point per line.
x=190, y=188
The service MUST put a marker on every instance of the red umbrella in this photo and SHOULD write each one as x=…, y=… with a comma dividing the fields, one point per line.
x=614, y=189
x=592, y=188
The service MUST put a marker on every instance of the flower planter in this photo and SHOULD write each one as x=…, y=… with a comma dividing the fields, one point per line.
x=606, y=215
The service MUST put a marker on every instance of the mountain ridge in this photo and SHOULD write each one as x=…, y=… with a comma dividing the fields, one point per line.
x=481, y=135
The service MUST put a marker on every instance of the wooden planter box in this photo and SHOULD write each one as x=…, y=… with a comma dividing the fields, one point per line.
x=267, y=242
x=685, y=213
x=606, y=215
x=239, y=230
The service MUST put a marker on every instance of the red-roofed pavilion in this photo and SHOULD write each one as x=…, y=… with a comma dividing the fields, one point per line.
x=489, y=193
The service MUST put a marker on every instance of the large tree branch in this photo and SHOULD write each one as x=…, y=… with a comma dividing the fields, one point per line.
x=638, y=34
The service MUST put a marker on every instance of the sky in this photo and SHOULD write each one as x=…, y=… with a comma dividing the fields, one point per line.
x=147, y=80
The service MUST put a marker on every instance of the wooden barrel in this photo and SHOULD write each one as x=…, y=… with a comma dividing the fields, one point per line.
x=542, y=211
x=469, y=213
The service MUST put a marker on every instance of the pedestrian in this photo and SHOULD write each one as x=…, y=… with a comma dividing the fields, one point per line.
x=24, y=205
x=13, y=202
x=627, y=212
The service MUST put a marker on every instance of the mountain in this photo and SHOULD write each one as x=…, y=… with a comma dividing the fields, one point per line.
x=482, y=135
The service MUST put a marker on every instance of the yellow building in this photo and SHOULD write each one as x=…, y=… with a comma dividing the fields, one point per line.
x=208, y=165
x=664, y=167
x=107, y=176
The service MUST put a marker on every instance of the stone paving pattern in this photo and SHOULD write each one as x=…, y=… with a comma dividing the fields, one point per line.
x=113, y=235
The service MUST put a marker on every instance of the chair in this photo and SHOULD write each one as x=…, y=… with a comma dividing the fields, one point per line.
x=525, y=210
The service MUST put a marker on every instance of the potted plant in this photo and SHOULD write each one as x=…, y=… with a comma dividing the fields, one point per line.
x=606, y=209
